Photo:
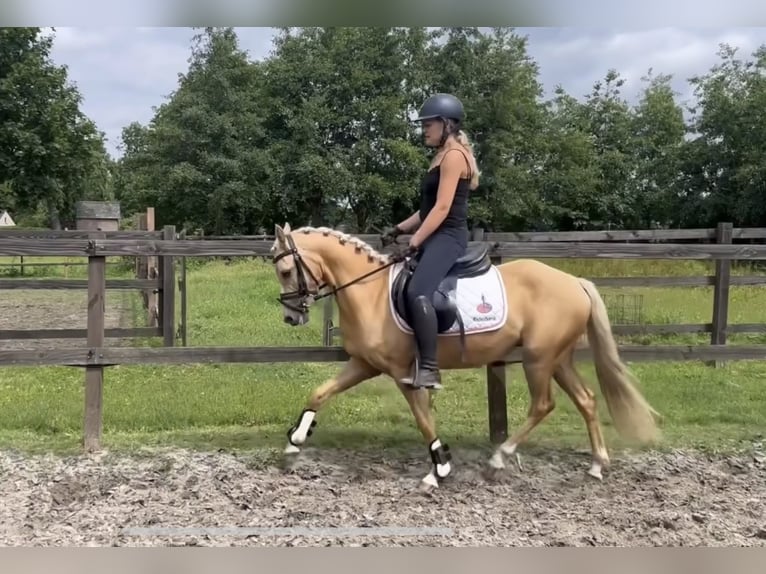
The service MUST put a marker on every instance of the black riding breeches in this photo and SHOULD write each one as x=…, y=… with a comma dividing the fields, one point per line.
x=437, y=256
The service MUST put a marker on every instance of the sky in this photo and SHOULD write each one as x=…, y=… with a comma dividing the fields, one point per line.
x=122, y=73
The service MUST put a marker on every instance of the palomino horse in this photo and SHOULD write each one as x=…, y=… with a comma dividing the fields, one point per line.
x=523, y=303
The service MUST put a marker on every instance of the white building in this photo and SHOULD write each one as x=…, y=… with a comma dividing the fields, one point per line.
x=6, y=220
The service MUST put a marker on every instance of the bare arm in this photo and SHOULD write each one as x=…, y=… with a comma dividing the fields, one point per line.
x=411, y=223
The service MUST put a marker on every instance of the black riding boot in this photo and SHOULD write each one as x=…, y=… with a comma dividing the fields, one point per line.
x=424, y=323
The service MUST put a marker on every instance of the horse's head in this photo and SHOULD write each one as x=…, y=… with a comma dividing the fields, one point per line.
x=299, y=273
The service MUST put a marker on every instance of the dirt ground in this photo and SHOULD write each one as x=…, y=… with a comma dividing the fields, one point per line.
x=672, y=499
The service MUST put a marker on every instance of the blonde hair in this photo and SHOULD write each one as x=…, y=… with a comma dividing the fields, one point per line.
x=462, y=138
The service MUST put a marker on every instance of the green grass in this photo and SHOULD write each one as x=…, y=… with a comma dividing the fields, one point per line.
x=251, y=406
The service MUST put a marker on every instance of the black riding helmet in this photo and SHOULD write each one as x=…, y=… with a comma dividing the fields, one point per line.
x=441, y=106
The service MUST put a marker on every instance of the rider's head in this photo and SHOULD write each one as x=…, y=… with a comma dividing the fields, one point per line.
x=441, y=116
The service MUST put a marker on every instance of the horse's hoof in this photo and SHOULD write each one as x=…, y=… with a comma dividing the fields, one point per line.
x=428, y=484
x=290, y=458
x=426, y=488
x=595, y=472
x=493, y=473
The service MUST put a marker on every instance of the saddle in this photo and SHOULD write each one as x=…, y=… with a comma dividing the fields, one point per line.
x=473, y=263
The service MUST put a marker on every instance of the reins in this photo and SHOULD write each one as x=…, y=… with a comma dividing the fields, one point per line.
x=309, y=296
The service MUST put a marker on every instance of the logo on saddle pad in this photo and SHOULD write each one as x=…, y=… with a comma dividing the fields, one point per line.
x=483, y=307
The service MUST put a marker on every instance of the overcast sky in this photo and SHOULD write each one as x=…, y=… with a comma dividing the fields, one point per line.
x=123, y=72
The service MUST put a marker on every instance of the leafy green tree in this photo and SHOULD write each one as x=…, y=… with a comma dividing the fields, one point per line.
x=51, y=154
x=498, y=82
x=570, y=173
x=658, y=133
x=202, y=161
x=339, y=125
x=725, y=162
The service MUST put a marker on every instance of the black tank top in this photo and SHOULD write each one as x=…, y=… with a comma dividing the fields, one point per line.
x=457, y=216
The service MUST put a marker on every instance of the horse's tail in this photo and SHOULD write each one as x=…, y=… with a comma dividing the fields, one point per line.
x=633, y=416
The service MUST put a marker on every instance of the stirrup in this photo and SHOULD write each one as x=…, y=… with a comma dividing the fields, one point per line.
x=418, y=374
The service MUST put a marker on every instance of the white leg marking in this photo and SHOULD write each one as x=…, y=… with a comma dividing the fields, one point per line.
x=595, y=470
x=508, y=449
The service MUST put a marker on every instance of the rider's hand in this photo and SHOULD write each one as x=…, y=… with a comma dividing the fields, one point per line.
x=403, y=254
x=390, y=234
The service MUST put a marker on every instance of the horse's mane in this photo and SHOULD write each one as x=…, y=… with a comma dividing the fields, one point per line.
x=344, y=238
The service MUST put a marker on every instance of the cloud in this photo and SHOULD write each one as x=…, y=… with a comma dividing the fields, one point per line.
x=123, y=73
x=577, y=57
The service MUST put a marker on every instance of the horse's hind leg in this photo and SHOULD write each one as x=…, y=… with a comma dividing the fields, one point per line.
x=574, y=386
x=538, y=369
x=354, y=372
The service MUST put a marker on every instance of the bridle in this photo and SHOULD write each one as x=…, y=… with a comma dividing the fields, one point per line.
x=306, y=297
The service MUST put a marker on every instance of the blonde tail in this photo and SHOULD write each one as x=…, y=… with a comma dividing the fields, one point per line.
x=633, y=416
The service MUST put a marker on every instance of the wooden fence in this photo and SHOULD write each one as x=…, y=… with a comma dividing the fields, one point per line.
x=98, y=246
x=644, y=245
x=160, y=284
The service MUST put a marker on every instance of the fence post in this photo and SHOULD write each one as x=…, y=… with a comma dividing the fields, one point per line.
x=497, y=393
x=184, y=308
x=94, y=375
x=327, y=325
x=167, y=308
x=721, y=291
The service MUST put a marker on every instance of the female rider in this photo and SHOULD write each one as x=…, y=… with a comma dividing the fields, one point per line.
x=441, y=223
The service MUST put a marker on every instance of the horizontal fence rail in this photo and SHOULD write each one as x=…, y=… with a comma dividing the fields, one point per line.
x=113, y=356
x=111, y=333
x=76, y=234
x=57, y=284
x=224, y=248
x=568, y=236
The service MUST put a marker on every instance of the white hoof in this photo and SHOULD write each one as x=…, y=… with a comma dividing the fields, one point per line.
x=595, y=471
x=291, y=449
x=429, y=482
x=496, y=462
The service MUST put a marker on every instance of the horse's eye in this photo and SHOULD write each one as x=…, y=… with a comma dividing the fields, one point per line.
x=286, y=274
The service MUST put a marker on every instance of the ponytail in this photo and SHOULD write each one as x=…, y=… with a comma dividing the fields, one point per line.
x=462, y=138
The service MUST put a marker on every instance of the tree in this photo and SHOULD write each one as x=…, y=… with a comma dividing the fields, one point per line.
x=203, y=160
x=51, y=154
x=339, y=123
x=658, y=134
x=570, y=174
x=498, y=83
x=725, y=163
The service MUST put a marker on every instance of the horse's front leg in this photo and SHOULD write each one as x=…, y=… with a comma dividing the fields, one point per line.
x=354, y=372
x=420, y=405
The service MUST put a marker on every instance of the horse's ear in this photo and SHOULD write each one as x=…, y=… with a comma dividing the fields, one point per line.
x=279, y=233
x=287, y=227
